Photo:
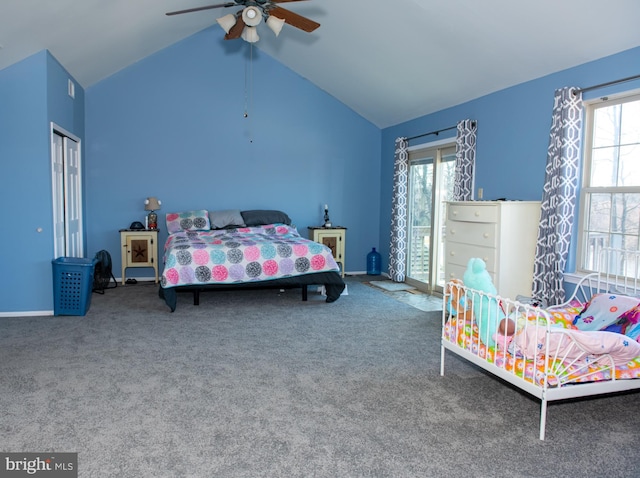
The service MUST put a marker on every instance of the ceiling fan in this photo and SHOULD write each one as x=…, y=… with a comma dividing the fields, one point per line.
x=242, y=24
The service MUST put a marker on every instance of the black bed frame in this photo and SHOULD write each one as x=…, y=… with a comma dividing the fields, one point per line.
x=332, y=281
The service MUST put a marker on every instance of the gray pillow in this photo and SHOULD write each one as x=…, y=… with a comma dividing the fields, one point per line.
x=225, y=218
x=258, y=217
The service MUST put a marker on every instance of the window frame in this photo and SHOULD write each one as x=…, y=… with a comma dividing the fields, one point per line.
x=590, y=107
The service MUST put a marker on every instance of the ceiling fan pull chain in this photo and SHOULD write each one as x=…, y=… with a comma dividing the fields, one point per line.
x=251, y=76
x=248, y=88
x=247, y=74
x=246, y=91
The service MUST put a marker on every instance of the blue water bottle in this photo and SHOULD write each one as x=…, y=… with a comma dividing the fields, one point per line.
x=373, y=263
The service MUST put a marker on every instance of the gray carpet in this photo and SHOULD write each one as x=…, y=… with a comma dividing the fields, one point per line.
x=260, y=384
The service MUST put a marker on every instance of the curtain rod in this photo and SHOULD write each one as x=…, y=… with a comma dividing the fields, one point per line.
x=602, y=85
x=432, y=132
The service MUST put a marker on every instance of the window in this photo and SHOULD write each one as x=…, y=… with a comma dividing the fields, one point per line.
x=610, y=194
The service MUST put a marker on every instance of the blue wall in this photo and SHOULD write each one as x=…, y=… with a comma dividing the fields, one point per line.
x=513, y=132
x=64, y=111
x=33, y=93
x=172, y=126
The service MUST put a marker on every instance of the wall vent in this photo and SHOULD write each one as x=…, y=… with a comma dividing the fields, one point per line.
x=72, y=89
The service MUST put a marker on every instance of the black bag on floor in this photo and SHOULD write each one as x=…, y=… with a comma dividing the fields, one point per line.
x=102, y=274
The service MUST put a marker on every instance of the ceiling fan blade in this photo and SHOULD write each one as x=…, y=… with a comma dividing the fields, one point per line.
x=197, y=9
x=294, y=19
x=236, y=30
x=283, y=1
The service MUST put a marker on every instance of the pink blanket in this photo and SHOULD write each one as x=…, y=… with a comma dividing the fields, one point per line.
x=574, y=344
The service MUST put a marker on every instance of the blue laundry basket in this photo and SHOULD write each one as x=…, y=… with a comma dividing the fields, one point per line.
x=72, y=285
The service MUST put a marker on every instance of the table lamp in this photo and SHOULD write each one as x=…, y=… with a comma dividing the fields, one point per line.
x=152, y=204
x=327, y=221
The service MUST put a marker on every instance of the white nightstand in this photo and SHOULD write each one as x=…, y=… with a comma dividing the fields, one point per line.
x=139, y=249
x=334, y=238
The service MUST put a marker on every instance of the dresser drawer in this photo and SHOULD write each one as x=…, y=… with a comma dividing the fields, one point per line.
x=478, y=233
x=473, y=212
x=455, y=271
x=458, y=253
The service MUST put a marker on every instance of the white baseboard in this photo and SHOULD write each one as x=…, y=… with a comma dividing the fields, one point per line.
x=27, y=313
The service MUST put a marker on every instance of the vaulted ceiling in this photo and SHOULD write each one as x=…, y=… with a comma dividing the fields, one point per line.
x=390, y=61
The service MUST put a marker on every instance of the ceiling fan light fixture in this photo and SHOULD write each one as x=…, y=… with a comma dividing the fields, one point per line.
x=275, y=24
x=250, y=34
x=226, y=22
x=252, y=16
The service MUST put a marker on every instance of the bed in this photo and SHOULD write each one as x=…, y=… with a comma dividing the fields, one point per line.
x=232, y=249
x=586, y=346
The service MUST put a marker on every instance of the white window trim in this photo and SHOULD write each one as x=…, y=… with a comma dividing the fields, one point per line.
x=589, y=107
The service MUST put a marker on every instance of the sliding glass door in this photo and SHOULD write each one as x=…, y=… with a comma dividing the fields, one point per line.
x=431, y=172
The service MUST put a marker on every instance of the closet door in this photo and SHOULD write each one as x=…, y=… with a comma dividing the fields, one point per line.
x=73, y=198
x=57, y=171
x=67, y=195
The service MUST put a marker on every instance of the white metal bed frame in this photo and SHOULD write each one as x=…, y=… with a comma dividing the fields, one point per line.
x=618, y=272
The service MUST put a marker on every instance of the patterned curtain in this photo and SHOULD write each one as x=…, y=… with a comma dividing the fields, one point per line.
x=559, y=197
x=465, y=161
x=398, y=248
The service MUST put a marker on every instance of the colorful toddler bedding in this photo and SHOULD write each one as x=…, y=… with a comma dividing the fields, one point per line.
x=241, y=255
x=465, y=335
x=611, y=312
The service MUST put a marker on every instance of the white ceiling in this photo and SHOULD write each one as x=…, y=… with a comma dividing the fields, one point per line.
x=390, y=61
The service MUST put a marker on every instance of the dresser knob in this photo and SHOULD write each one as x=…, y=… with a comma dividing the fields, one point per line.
x=455, y=212
x=486, y=259
x=486, y=235
x=477, y=213
x=452, y=253
x=453, y=231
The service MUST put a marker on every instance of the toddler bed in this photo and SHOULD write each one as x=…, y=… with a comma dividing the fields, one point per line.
x=585, y=346
x=239, y=250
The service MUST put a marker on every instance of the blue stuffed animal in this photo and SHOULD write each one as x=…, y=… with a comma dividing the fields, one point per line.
x=488, y=312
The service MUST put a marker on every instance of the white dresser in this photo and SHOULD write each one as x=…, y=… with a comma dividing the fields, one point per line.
x=501, y=233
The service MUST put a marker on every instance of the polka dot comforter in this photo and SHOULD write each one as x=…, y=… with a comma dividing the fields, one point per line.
x=240, y=255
